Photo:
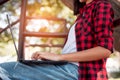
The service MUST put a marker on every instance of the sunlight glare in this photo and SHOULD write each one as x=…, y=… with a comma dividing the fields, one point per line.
x=35, y=25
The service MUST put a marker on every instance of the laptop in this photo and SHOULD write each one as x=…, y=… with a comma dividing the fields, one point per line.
x=29, y=62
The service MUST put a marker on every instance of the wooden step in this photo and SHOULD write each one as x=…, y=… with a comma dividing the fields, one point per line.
x=44, y=45
x=45, y=34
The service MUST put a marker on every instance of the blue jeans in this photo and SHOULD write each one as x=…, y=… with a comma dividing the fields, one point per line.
x=19, y=71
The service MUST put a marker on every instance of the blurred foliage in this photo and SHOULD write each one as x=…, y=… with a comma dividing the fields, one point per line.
x=9, y=8
x=5, y=37
x=49, y=8
x=7, y=49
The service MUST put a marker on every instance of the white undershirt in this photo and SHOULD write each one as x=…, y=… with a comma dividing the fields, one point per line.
x=70, y=45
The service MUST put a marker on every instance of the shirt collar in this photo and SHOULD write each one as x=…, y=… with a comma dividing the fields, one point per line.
x=89, y=4
x=86, y=6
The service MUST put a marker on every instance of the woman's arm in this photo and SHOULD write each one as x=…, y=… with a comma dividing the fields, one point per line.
x=92, y=54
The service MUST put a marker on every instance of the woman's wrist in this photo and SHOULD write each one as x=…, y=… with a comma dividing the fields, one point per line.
x=61, y=57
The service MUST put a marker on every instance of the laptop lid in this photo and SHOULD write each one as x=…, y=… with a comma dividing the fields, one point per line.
x=8, y=20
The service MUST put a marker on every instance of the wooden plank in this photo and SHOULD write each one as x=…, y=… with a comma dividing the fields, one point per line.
x=45, y=34
x=47, y=18
x=12, y=24
x=44, y=45
x=3, y=1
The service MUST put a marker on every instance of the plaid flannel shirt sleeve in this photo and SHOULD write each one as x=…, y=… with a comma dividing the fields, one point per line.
x=104, y=25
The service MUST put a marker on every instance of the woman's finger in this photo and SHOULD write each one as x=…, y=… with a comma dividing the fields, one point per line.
x=35, y=55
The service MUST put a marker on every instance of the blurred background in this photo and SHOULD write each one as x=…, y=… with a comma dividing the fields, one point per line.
x=46, y=25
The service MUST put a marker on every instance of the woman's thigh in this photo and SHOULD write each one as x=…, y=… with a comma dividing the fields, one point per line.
x=21, y=71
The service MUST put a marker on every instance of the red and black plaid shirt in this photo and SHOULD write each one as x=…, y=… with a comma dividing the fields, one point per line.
x=94, y=28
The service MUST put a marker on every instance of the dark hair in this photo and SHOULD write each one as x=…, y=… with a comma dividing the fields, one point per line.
x=77, y=6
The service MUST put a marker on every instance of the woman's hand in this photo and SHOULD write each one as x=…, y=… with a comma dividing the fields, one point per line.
x=46, y=56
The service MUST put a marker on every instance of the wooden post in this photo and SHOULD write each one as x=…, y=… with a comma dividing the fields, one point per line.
x=21, y=30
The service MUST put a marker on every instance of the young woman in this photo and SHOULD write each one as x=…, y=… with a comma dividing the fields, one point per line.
x=89, y=43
